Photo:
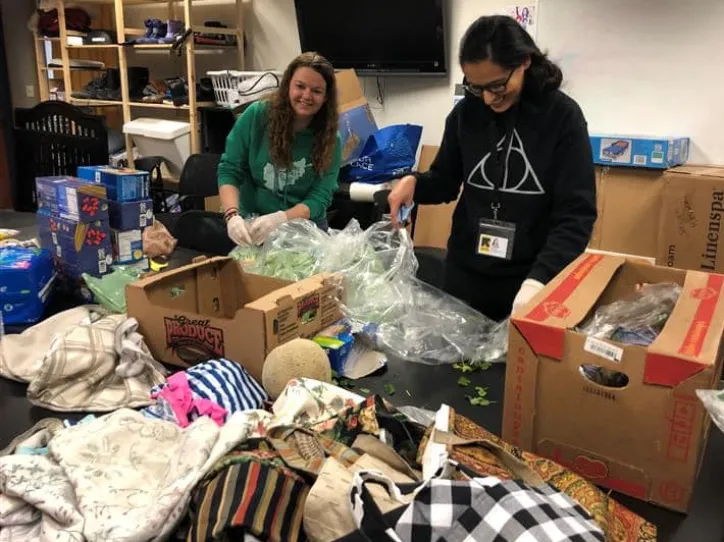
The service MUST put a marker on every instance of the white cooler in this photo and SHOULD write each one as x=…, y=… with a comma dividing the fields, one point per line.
x=170, y=139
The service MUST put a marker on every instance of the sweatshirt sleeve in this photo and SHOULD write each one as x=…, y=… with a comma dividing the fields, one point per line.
x=319, y=196
x=441, y=184
x=234, y=164
x=573, y=210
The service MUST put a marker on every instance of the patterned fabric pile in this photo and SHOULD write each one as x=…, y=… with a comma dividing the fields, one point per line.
x=319, y=464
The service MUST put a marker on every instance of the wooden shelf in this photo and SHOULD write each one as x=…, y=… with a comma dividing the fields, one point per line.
x=95, y=46
x=73, y=69
x=95, y=103
x=115, y=17
x=169, y=106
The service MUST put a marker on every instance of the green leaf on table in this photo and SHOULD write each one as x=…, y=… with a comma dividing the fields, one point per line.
x=364, y=390
x=463, y=367
x=463, y=381
x=480, y=398
x=390, y=388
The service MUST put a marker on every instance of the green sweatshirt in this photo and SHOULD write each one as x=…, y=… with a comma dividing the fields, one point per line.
x=263, y=187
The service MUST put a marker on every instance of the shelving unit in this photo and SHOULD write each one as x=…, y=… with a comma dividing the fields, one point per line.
x=177, y=10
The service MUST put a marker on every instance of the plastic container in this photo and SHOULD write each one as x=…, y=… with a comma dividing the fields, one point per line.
x=157, y=137
x=234, y=88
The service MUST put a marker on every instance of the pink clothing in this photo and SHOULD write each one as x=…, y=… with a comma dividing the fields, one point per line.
x=185, y=406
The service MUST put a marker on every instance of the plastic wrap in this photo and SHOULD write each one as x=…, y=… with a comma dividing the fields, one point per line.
x=713, y=401
x=638, y=319
x=110, y=290
x=384, y=301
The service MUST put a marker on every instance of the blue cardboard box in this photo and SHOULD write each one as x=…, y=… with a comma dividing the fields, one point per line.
x=130, y=215
x=26, y=281
x=337, y=342
x=127, y=246
x=72, y=198
x=84, y=246
x=639, y=151
x=122, y=184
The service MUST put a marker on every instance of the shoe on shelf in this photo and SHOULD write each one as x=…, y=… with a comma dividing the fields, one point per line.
x=100, y=87
x=174, y=29
x=155, y=30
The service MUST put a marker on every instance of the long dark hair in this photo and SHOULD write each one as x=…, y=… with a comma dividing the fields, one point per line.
x=502, y=40
x=324, y=124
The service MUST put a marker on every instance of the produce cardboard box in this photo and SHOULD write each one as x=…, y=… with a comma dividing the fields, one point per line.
x=645, y=439
x=691, y=219
x=213, y=309
x=629, y=208
x=356, y=122
x=433, y=222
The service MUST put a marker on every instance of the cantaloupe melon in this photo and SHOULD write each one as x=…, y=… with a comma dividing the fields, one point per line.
x=295, y=359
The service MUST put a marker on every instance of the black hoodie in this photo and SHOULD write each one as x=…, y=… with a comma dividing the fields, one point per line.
x=548, y=187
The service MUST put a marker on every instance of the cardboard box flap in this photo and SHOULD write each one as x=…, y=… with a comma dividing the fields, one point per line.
x=708, y=171
x=349, y=91
x=689, y=342
x=565, y=302
x=151, y=279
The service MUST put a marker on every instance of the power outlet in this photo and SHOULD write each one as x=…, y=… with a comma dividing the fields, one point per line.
x=30, y=91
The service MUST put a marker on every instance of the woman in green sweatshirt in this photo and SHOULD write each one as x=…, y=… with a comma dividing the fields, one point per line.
x=282, y=156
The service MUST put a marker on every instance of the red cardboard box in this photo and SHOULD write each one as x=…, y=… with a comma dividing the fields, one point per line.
x=645, y=439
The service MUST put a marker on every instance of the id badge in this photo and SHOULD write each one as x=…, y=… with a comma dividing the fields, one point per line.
x=495, y=239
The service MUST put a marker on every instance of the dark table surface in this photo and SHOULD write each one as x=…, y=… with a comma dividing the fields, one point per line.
x=428, y=387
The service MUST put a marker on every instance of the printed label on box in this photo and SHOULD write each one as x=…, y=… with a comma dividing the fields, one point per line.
x=616, y=150
x=603, y=349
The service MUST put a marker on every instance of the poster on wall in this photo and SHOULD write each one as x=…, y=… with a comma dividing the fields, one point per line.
x=525, y=14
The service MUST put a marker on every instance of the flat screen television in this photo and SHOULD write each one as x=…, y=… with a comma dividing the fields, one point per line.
x=376, y=37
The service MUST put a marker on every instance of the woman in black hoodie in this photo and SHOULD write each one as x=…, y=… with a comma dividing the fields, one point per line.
x=520, y=149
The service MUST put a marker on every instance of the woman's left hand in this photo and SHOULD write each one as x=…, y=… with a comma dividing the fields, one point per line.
x=528, y=290
x=264, y=225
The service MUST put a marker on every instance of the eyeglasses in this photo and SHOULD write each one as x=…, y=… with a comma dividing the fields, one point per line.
x=494, y=88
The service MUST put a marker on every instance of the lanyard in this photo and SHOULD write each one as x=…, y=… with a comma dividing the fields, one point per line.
x=500, y=158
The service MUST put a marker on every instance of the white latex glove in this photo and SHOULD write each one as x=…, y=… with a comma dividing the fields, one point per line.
x=238, y=232
x=264, y=225
x=527, y=291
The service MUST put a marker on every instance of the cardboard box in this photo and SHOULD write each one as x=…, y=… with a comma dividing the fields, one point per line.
x=84, y=246
x=629, y=207
x=692, y=217
x=72, y=198
x=130, y=215
x=127, y=246
x=356, y=123
x=639, y=151
x=123, y=184
x=645, y=439
x=213, y=309
x=433, y=222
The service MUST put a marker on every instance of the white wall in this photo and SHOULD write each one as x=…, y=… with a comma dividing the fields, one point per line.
x=643, y=66
x=635, y=66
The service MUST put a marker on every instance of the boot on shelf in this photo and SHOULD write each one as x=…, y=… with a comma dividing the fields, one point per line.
x=100, y=87
x=174, y=29
x=155, y=31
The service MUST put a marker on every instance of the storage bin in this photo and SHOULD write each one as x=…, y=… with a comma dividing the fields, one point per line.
x=157, y=137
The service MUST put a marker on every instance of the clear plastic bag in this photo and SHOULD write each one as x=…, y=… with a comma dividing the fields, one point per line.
x=638, y=319
x=385, y=302
x=110, y=290
x=713, y=401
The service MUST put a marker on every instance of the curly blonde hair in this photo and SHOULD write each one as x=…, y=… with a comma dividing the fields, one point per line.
x=324, y=124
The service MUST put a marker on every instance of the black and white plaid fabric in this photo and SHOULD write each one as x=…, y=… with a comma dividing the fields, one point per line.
x=495, y=510
x=479, y=509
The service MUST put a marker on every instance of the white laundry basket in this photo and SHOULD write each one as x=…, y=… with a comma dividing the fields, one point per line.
x=157, y=137
x=234, y=88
